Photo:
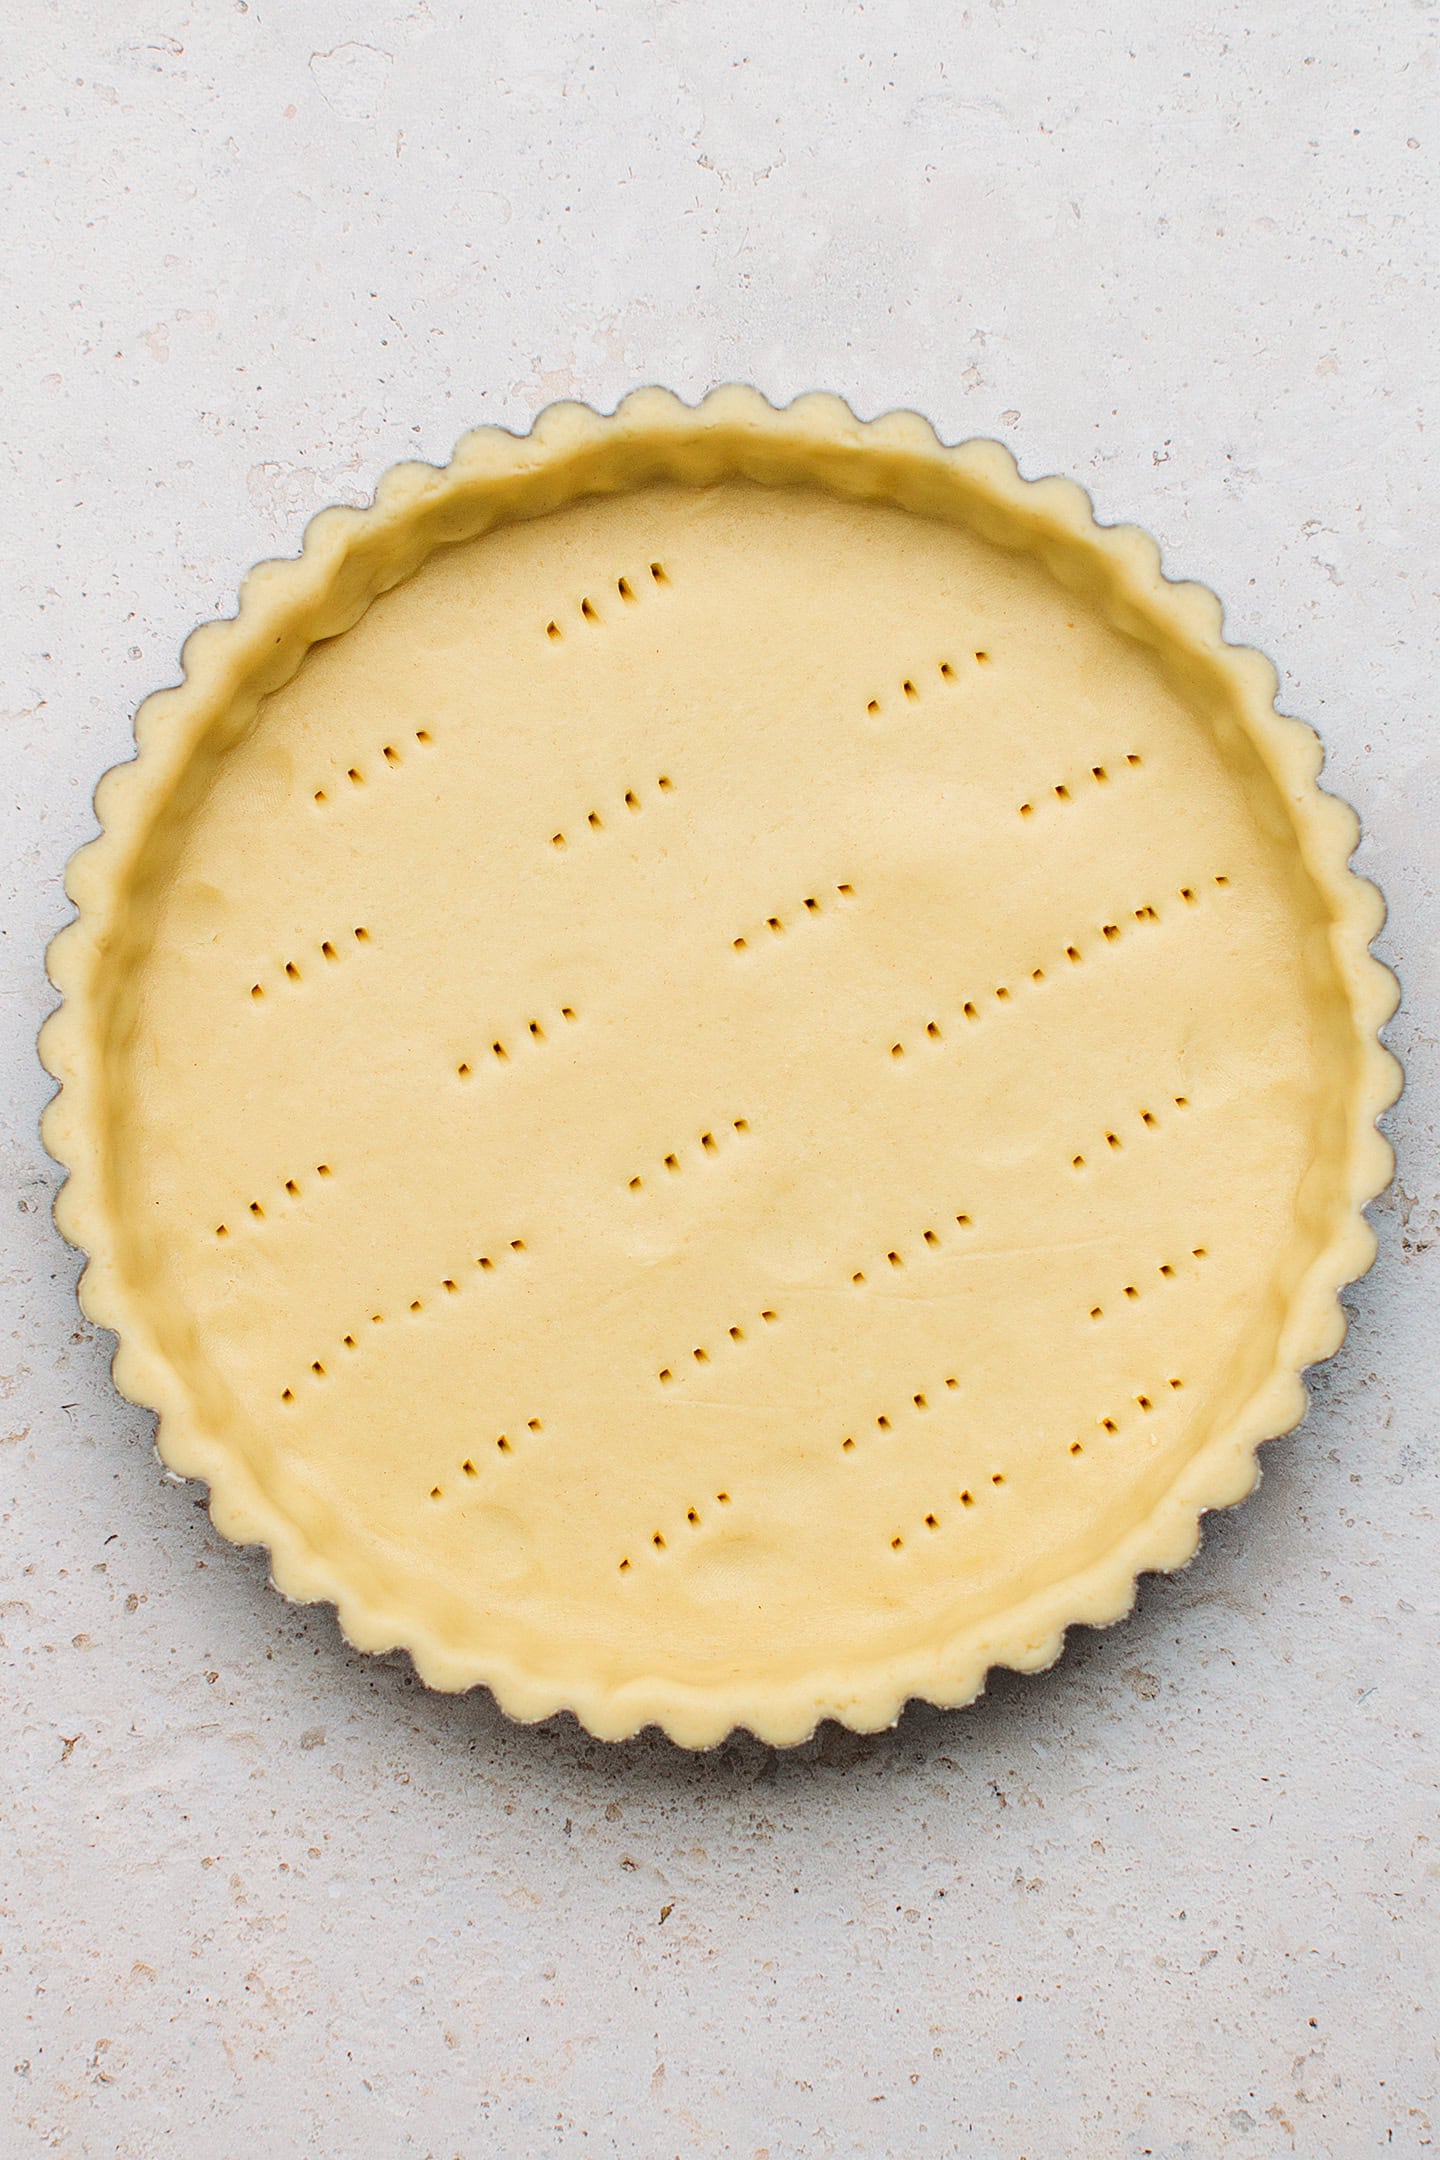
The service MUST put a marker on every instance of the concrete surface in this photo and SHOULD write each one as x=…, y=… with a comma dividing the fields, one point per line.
x=259, y=1897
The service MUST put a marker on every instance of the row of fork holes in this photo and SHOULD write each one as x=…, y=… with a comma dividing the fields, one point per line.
x=450, y=1287
x=504, y=1445
x=918, y=1405
x=292, y=1187
x=596, y=823
x=1099, y=774
x=910, y=689
x=674, y=1163
x=499, y=1052
x=1132, y=1293
x=1144, y=1403
x=1111, y=932
x=658, y=1539
x=1148, y=1123
x=701, y=1356
x=812, y=905
x=388, y=752
x=932, y=1522
x=932, y=1241
x=328, y=952
x=590, y=613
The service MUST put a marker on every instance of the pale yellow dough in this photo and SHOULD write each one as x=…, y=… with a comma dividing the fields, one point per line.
x=742, y=1098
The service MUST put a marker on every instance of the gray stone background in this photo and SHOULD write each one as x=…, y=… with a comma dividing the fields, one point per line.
x=260, y=1897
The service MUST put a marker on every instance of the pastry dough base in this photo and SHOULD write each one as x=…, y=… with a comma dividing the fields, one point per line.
x=744, y=1097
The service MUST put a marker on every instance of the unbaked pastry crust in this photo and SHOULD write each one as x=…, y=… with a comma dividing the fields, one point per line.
x=945, y=896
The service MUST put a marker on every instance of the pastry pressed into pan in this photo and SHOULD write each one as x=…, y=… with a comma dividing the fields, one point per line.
x=719, y=1066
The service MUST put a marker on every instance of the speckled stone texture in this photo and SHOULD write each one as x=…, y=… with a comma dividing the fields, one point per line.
x=259, y=1896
